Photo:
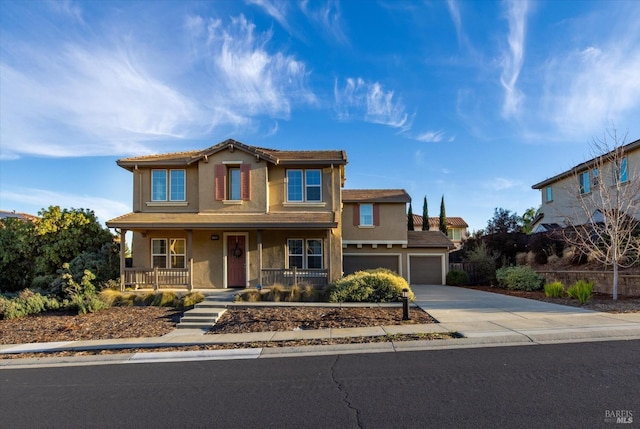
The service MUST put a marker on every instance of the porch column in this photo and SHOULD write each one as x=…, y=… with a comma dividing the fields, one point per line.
x=329, y=256
x=123, y=245
x=189, y=260
x=260, y=258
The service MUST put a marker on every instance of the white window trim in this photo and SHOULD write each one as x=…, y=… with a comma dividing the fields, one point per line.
x=360, y=223
x=167, y=255
x=304, y=202
x=305, y=255
x=168, y=200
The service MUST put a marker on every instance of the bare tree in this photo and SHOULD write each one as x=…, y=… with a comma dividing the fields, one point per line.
x=605, y=223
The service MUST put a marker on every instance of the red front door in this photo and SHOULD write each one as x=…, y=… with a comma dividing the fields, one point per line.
x=236, y=261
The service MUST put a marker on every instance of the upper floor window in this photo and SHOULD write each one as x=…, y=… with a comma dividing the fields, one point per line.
x=549, y=194
x=232, y=182
x=595, y=176
x=623, y=170
x=304, y=185
x=172, y=256
x=305, y=253
x=366, y=214
x=168, y=185
x=454, y=233
x=584, y=180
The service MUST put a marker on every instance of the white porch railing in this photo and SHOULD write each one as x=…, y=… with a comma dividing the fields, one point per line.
x=294, y=276
x=158, y=277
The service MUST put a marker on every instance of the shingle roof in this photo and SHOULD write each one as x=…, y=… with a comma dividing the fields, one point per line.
x=279, y=220
x=17, y=215
x=375, y=196
x=275, y=156
x=428, y=239
x=452, y=221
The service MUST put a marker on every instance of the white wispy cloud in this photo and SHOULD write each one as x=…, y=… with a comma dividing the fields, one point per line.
x=246, y=77
x=104, y=209
x=503, y=184
x=275, y=9
x=591, y=87
x=431, y=136
x=512, y=59
x=114, y=96
x=68, y=8
x=327, y=16
x=370, y=102
x=454, y=11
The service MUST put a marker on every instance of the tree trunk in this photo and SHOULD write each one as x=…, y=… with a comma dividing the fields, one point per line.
x=615, y=281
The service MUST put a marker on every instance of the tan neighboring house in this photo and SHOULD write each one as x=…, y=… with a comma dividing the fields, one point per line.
x=235, y=215
x=457, y=228
x=559, y=194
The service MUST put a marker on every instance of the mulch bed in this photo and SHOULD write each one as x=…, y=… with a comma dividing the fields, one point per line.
x=599, y=301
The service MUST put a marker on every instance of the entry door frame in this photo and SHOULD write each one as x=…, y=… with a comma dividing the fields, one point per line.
x=225, y=257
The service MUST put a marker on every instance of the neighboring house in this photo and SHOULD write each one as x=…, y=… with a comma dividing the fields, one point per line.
x=457, y=228
x=16, y=215
x=559, y=193
x=235, y=215
x=374, y=232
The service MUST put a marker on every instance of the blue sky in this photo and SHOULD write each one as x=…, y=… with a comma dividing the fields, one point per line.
x=473, y=100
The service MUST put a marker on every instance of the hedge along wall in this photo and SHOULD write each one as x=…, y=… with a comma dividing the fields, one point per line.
x=628, y=285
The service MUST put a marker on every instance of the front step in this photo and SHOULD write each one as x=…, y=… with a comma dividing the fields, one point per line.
x=200, y=317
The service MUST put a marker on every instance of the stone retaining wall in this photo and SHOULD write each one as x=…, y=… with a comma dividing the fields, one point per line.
x=628, y=285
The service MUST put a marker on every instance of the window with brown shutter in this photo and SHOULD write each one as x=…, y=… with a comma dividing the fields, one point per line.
x=245, y=183
x=220, y=185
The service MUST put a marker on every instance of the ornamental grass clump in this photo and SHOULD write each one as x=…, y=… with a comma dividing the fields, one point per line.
x=165, y=299
x=581, y=290
x=554, y=290
x=379, y=285
x=190, y=300
x=25, y=303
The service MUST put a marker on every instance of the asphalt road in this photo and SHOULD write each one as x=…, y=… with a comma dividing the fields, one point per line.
x=568, y=385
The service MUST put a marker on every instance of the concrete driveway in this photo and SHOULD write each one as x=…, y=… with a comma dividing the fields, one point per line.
x=476, y=313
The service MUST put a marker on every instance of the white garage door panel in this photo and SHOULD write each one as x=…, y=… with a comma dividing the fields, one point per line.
x=353, y=263
x=425, y=270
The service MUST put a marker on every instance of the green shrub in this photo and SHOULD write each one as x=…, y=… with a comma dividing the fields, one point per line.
x=581, y=290
x=554, y=290
x=457, y=278
x=519, y=278
x=368, y=286
x=25, y=303
x=484, y=263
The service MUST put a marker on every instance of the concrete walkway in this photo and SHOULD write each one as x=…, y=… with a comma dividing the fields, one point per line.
x=483, y=318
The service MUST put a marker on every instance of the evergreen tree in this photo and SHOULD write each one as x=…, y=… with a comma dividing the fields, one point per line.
x=443, y=217
x=410, y=219
x=425, y=215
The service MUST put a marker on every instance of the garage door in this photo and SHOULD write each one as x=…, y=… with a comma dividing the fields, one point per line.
x=353, y=263
x=425, y=270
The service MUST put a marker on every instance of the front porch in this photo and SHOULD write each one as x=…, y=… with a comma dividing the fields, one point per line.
x=175, y=278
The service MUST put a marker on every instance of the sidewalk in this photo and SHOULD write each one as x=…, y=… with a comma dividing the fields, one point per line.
x=484, y=319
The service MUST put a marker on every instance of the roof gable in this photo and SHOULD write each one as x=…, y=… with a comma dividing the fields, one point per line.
x=274, y=156
x=375, y=196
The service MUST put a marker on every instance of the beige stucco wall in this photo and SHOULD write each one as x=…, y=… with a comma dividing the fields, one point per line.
x=568, y=203
x=401, y=252
x=393, y=224
x=331, y=177
x=258, y=180
x=142, y=192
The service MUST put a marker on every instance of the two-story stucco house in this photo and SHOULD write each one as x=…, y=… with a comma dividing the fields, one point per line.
x=567, y=196
x=235, y=215
x=457, y=228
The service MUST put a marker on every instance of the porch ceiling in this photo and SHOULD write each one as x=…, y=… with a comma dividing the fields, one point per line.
x=279, y=220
